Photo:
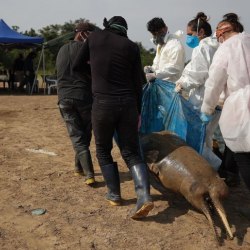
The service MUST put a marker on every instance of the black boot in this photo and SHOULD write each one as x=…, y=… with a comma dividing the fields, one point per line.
x=111, y=176
x=87, y=166
x=142, y=188
x=78, y=167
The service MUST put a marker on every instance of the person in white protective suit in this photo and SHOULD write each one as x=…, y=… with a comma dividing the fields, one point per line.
x=195, y=74
x=169, y=61
x=230, y=72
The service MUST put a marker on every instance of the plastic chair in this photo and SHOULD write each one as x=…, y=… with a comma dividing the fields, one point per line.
x=51, y=82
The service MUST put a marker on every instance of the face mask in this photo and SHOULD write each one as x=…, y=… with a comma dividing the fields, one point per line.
x=158, y=39
x=192, y=41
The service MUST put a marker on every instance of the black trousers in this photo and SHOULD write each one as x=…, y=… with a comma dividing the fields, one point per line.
x=237, y=163
x=77, y=117
x=120, y=115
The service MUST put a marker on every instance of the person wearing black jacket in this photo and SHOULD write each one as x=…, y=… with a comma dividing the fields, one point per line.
x=75, y=100
x=116, y=72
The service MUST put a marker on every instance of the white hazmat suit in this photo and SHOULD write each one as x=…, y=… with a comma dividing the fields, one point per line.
x=195, y=73
x=169, y=61
x=230, y=72
x=193, y=81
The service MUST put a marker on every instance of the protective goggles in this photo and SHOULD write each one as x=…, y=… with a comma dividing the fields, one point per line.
x=222, y=30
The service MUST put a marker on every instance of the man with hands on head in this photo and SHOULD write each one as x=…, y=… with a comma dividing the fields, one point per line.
x=75, y=100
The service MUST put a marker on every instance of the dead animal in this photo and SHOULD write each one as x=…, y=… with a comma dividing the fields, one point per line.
x=180, y=168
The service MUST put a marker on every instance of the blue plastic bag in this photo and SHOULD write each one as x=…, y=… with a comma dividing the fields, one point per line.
x=164, y=109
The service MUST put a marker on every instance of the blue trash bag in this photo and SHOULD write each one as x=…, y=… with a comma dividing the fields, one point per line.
x=164, y=109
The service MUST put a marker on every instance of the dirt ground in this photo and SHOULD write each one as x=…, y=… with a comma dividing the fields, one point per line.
x=77, y=216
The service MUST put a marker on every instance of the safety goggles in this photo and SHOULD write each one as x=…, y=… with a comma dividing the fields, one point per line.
x=221, y=31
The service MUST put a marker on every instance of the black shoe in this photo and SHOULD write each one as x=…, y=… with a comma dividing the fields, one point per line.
x=112, y=179
x=142, y=188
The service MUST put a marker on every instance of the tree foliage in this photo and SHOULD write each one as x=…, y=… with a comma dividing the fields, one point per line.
x=51, y=32
x=146, y=55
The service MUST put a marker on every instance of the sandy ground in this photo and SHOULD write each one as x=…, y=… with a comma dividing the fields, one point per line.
x=77, y=216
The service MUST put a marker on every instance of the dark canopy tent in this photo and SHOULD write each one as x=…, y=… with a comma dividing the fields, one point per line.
x=11, y=38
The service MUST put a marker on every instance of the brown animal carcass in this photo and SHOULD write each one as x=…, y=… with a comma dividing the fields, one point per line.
x=180, y=168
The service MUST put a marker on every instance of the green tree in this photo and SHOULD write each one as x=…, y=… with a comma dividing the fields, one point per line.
x=15, y=27
x=54, y=31
x=31, y=32
x=6, y=59
x=147, y=56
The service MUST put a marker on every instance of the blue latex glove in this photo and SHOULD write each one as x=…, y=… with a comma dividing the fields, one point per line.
x=205, y=118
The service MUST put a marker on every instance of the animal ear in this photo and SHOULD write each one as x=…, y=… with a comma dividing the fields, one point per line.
x=152, y=156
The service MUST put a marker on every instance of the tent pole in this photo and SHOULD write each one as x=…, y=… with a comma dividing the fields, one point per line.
x=38, y=66
x=44, y=72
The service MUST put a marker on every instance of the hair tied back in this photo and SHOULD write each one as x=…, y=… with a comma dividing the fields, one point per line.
x=201, y=16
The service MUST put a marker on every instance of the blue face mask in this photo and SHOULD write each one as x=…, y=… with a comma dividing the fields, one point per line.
x=192, y=41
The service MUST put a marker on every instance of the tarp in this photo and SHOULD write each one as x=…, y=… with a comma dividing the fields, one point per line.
x=9, y=36
x=164, y=109
x=59, y=40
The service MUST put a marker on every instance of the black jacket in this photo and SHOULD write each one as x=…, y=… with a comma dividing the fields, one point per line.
x=115, y=62
x=72, y=84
